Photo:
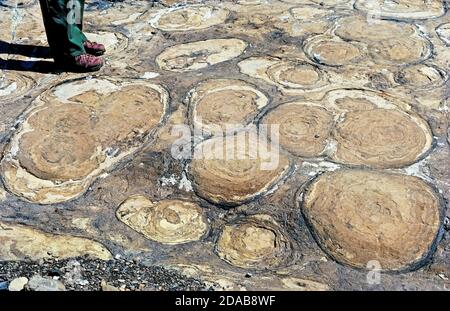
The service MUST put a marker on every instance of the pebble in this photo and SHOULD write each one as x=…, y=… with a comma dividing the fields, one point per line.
x=108, y=288
x=3, y=285
x=40, y=284
x=17, y=284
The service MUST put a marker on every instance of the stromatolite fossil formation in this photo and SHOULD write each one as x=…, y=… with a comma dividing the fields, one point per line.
x=167, y=221
x=443, y=31
x=293, y=77
x=254, y=242
x=21, y=242
x=421, y=77
x=76, y=131
x=221, y=105
x=200, y=54
x=235, y=169
x=304, y=127
x=332, y=51
x=403, y=9
x=363, y=216
x=382, y=136
x=188, y=18
x=14, y=85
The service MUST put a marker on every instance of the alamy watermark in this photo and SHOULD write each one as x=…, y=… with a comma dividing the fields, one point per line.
x=227, y=143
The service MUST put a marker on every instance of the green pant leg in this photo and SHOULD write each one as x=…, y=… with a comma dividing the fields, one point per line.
x=64, y=37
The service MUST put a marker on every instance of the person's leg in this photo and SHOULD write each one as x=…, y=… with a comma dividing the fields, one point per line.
x=64, y=37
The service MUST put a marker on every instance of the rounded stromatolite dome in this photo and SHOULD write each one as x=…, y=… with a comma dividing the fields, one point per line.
x=235, y=169
x=362, y=216
x=166, y=221
x=254, y=242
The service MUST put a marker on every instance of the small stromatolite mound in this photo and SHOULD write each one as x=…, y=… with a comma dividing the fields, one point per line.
x=225, y=104
x=256, y=242
x=363, y=216
x=443, y=32
x=401, y=51
x=291, y=76
x=381, y=138
x=421, y=77
x=304, y=127
x=332, y=51
x=235, y=169
x=403, y=9
x=77, y=130
x=21, y=242
x=189, y=18
x=167, y=221
x=357, y=28
x=200, y=54
x=13, y=86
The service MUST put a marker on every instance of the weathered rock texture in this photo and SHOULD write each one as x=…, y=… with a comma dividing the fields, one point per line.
x=140, y=160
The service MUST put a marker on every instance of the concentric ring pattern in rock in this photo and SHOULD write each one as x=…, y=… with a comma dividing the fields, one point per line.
x=233, y=170
x=421, y=77
x=290, y=76
x=377, y=132
x=443, y=32
x=400, y=51
x=200, y=54
x=223, y=105
x=14, y=85
x=254, y=242
x=76, y=131
x=304, y=127
x=166, y=221
x=403, y=9
x=358, y=28
x=332, y=51
x=21, y=242
x=189, y=18
x=363, y=216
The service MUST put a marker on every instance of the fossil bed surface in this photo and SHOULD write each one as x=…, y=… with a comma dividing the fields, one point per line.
x=360, y=90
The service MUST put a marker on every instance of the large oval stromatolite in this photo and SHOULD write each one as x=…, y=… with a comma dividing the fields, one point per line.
x=402, y=9
x=200, y=54
x=167, y=221
x=304, y=127
x=225, y=104
x=19, y=242
x=358, y=28
x=254, y=242
x=237, y=168
x=77, y=130
x=362, y=216
x=189, y=18
x=401, y=51
x=291, y=76
x=332, y=51
x=381, y=138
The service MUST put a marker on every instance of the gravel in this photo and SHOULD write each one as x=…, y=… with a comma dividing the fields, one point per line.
x=87, y=274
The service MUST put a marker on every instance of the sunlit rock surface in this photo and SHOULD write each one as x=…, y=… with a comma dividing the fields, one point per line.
x=124, y=161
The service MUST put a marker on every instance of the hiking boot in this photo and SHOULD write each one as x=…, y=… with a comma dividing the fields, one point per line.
x=82, y=63
x=94, y=48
